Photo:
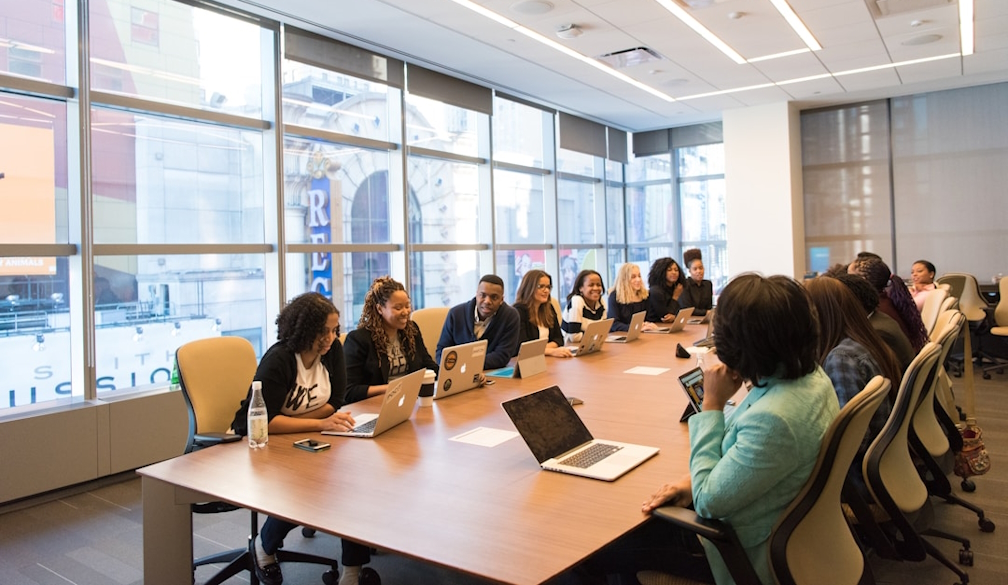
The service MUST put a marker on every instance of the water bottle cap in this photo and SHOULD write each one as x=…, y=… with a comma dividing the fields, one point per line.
x=257, y=385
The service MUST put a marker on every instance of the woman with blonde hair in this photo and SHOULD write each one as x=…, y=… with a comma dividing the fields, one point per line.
x=536, y=316
x=628, y=296
x=386, y=344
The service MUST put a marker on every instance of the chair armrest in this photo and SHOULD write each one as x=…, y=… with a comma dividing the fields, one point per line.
x=201, y=440
x=713, y=530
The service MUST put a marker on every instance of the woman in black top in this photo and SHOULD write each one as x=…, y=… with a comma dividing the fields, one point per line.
x=698, y=293
x=536, y=316
x=628, y=297
x=666, y=284
x=386, y=344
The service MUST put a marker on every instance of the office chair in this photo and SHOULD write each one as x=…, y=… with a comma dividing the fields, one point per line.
x=811, y=542
x=932, y=308
x=1000, y=328
x=215, y=375
x=966, y=289
x=892, y=479
x=430, y=320
x=934, y=437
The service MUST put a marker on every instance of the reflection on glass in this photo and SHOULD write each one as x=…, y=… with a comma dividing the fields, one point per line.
x=34, y=332
x=33, y=191
x=615, y=231
x=338, y=102
x=512, y=266
x=649, y=168
x=650, y=214
x=444, y=279
x=576, y=212
x=439, y=126
x=518, y=202
x=344, y=278
x=518, y=133
x=577, y=163
x=33, y=38
x=147, y=306
x=707, y=159
x=444, y=202
x=165, y=181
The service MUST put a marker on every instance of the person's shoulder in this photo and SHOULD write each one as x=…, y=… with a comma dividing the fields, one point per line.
x=463, y=306
x=358, y=336
x=506, y=309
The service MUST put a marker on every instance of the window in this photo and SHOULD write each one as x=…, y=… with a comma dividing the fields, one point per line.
x=33, y=40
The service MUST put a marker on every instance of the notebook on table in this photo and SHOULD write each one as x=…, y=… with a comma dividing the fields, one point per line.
x=632, y=333
x=560, y=441
x=531, y=361
x=709, y=340
x=397, y=406
x=593, y=337
x=677, y=324
x=460, y=369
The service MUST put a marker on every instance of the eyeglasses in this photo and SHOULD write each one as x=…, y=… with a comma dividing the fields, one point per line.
x=545, y=287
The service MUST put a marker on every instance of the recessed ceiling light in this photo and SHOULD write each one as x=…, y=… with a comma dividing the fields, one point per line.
x=532, y=7
x=921, y=40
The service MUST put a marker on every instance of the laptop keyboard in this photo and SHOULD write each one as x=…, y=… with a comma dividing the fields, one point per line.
x=367, y=427
x=590, y=456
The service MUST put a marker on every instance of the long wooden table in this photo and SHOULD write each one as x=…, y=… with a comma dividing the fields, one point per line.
x=489, y=512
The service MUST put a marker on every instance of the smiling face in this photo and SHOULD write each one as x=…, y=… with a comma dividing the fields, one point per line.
x=325, y=339
x=636, y=282
x=543, y=288
x=920, y=274
x=672, y=274
x=591, y=288
x=396, y=310
x=696, y=271
x=489, y=297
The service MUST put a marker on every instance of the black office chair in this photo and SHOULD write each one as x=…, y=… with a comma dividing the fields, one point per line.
x=812, y=543
x=215, y=375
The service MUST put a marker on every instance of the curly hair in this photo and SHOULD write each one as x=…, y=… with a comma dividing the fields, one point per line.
x=690, y=255
x=656, y=275
x=840, y=316
x=303, y=320
x=579, y=282
x=625, y=294
x=766, y=327
x=863, y=291
x=371, y=320
x=542, y=315
x=877, y=273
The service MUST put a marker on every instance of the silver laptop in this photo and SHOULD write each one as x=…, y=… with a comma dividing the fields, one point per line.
x=632, y=333
x=531, y=361
x=702, y=320
x=677, y=324
x=397, y=406
x=593, y=337
x=709, y=340
x=560, y=441
x=460, y=369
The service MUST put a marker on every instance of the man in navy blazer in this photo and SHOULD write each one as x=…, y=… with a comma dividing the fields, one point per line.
x=486, y=316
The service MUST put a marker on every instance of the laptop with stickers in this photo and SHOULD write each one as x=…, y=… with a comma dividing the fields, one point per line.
x=460, y=369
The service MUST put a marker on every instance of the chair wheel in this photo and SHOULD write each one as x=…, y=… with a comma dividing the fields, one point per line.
x=307, y=532
x=330, y=577
x=968, y=485
x=966, y=557
x=986, y=525
x=986, y=376
x=368, y=576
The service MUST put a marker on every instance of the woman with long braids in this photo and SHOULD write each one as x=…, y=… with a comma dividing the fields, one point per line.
x=894, y=298
x=386, y=344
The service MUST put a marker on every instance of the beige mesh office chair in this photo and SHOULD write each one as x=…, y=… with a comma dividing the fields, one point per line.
x=812, y=542
x=215, y=375
x=1000, y=329
x=932, y=308
x=430, y=320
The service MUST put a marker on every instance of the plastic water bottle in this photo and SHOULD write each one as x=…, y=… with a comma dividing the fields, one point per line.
x=258, y=422
x=700, y=359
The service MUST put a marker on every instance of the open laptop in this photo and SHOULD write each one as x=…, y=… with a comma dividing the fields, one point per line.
x=460, y=369
x=593, y=337
x=561, y=442
x=677, y=324
x=531, y=361
x=632, y=333
x=702, y=320
x=692, y=385
x=397, y=406
x=709, y=340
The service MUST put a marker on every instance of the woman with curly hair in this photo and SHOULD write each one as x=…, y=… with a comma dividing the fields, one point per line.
x=894, y=298
x=304, y=385
x=386, y=344
x=666, y=284
x=536, y=316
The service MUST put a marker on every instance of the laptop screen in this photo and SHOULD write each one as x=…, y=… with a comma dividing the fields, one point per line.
x=547, y=422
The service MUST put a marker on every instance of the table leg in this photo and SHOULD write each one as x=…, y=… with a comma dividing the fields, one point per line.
x=167, y=534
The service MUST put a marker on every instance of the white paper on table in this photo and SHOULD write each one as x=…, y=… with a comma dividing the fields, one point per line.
x=485, y=437
x=646, y=371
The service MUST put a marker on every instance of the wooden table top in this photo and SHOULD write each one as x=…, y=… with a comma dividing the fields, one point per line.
x=485, y=511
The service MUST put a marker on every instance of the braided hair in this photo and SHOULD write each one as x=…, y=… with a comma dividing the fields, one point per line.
x=371, y=320
x=877, y=273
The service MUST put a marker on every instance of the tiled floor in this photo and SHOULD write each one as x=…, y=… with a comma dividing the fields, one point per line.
x=94, y=537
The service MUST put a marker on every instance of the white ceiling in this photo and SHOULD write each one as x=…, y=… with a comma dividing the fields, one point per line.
x=854, y=34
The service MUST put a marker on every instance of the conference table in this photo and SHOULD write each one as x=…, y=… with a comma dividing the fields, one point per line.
x=413, y=491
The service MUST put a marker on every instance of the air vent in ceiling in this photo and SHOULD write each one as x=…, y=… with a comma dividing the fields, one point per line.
x=883, y=8
x=629, y=57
